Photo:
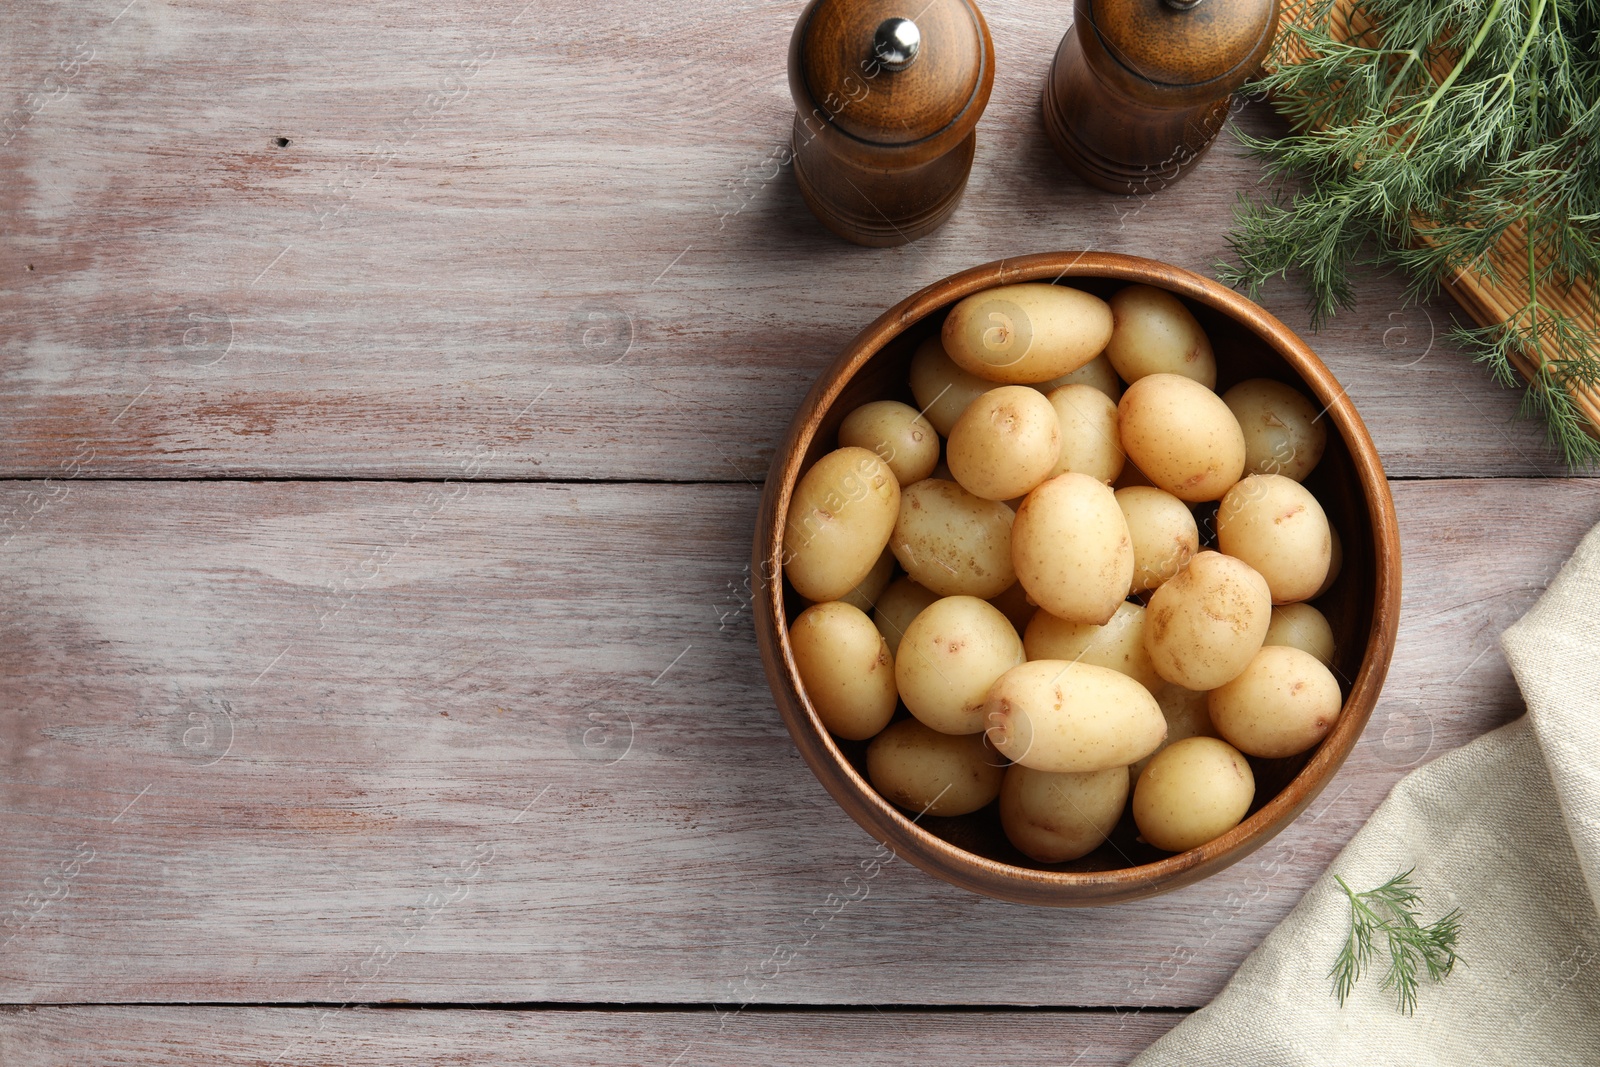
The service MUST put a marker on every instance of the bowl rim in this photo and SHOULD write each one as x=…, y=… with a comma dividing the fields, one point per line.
x=900, y=831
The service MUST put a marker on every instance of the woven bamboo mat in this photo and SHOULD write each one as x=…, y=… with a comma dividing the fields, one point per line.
x=1487, y=301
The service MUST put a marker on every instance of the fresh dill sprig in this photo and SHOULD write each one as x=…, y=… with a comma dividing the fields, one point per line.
x=1391, y=910
x=1421, y=143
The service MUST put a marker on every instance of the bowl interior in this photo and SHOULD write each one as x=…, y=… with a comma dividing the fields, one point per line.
x=1241, y=354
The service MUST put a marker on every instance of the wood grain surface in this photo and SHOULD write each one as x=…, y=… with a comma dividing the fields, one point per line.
x=584, y=207
x=525, y=753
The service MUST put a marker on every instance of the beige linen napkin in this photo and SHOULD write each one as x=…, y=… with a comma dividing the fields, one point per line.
x=1507, y=829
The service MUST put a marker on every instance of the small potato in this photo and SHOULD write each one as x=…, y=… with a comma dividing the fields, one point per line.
x=1187, y=716
x=1202, y=627
x=1014, y=605
x=1182, y=436
x=1284, y=702
x=903, y=439
x=1119, y=644
x=1165, y=536
x=1027, y=333
x=1097, y=372
x=1274, y=524
x=847, y=669
x=1056, y=817
x=952, y=652
x=1282, y=434
x=1154, y=333
x=1193, y=791
x=1089, y=440
x=840, y=517
x=1335, y=561
x=1005, y=443
x=1053, y=715
x=943, y=390
x=867, y=591
x=897, y=606
x=1071, y=549
x=952, y=542
x=1304, y=627
x=933, y=773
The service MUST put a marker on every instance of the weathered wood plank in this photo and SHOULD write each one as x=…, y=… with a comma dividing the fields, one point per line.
x=524, y=752
x=563, y=241
x=298, y=1037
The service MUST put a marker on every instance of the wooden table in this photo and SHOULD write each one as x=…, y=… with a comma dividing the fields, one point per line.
x=384, y=393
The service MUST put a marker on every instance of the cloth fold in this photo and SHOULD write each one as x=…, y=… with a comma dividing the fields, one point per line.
x=1507, y=828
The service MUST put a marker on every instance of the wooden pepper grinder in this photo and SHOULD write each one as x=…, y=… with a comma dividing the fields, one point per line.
x=1140, y=88
x=887, y=94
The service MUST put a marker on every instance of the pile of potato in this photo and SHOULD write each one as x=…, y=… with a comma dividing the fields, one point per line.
x=1059, y=635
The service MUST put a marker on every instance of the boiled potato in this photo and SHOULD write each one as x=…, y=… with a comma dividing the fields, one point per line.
x=1154, y=333
x=1053, y=715
x=1187, y=716
x=846, y=667
x=1071, y=549
x=1335, y=561
x=1304, y=627
x=1193, y=791
x=952, y=652
x=943, y=390
x=1058, y=817
x=1182, y=436
x=1027, y=333
x=1203, y=626
x=896, y=606
x=952, y=542
x=840, y=517
x=1089, y=440
x=1164, y=534
x=867, y=591
x=1014, y=605
x=933, y=773
x=1284, y=702
x=905, y=440
x=1005, y=443
x=1282, y=431
x=1274, y=524
x=1119, y=644
x=1097, y=373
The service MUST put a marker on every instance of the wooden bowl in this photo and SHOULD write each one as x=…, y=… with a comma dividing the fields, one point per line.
x=1363, y=606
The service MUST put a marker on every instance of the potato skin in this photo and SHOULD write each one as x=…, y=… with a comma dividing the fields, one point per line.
x=1304, y=627
x=1335, y=561
x=839, y=520
x=1203, y=626
x=902, y=438
x=1053, y=715
x=867, y=590
x=1285, y=702
x=1187, y=716
x=1282, y=434
x=1119, y=644
x=1181, y=436
x=1005, y=443
x=1154, y=333
x=1090, y=443
x=1274, y=524
x=1165, y=536
x=952, y=652
x=942, y=389
x=846, y=667
x=952, y=542
x=922, y=770
x=1026, y=333
x=1070, y=549
x=896, y=606
x=1097, y=372
x=1052, y=818
x=1193, y=791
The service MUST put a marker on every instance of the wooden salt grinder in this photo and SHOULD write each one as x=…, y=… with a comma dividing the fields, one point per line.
x=883, y=131
x=1139, y=88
